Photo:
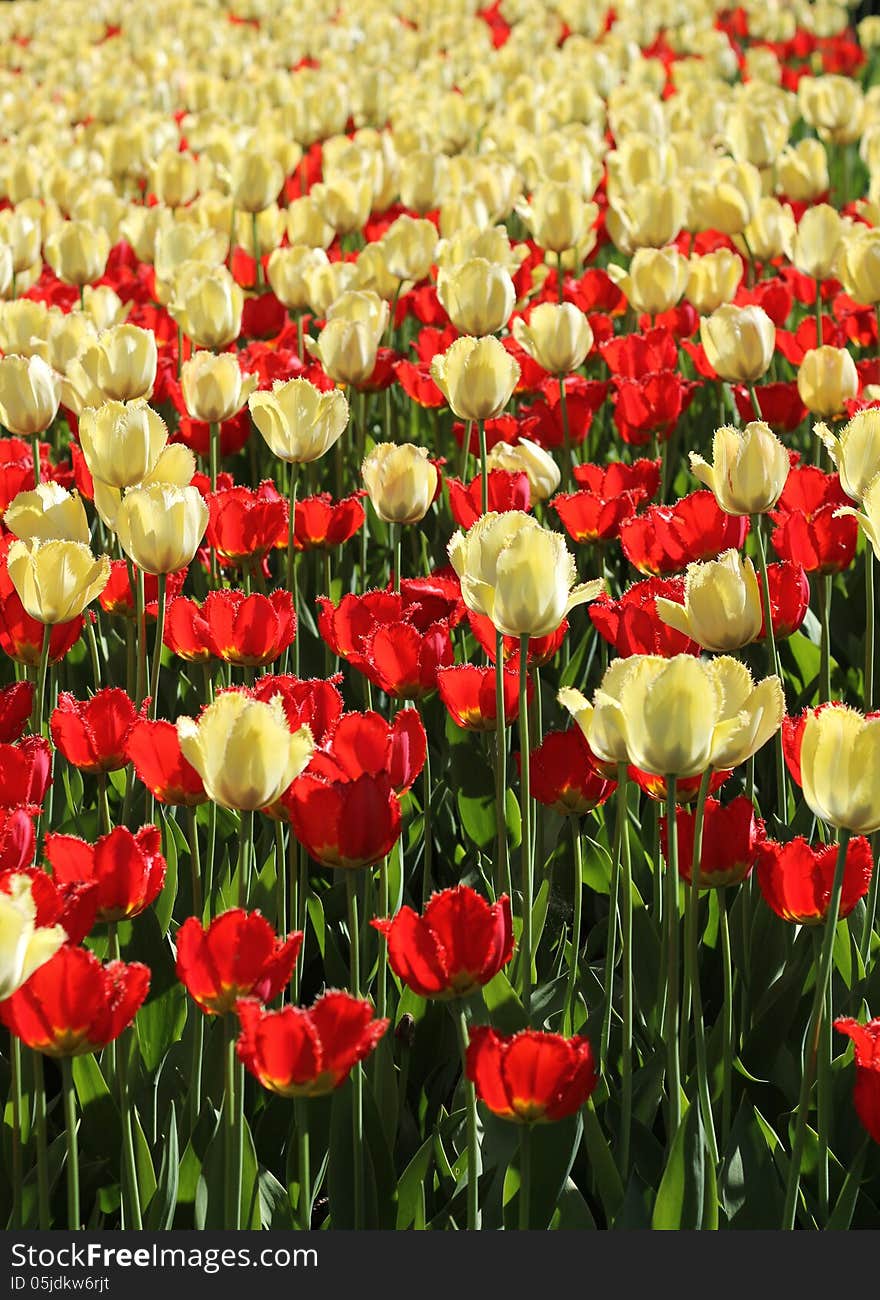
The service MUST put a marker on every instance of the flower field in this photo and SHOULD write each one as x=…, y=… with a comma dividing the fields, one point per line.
x=439, y=504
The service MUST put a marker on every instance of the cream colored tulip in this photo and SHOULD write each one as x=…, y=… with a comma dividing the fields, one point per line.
x=207, y=306
x=298, y=421
x=817, y=243
x=244, y=751
x=255, y=181
x=476, y=376
x=713, y=280
x=24, y=945
x=410, y=246
x=856, y=452
x=656, y=280
x=77, y=251
x=859, y=265
x=56, y=579
x=749, y=468
x=869, y=515
x=722, y=604
x=160, y=526
x=47, y=512
x=122, y=363
x=557, y=216
x=802, y=171
x=214, y=388
x=401, y=482
x=288, y=270
x=738, y=342
x=526, y=457
x=557, y=335
x=30, y=393
x=827, y=379
x=840, y=769
x=122, y=441
x=478, y=296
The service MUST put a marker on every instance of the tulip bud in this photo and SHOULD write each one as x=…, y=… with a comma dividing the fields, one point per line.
x=29, y=395
x=527, y=457
x=56, y=579
x=344, y=204
x=160, y=527
x=817, y=243
x=770, y=231
x=401, y=482
x=648, y=217
x=726, y=200
x=722, y=604
x=244, y=750
x=856, y=453
x=306, y=225
x=347, y=351
x=26, y=946
x=739, y=342
x=362, y=306
x=325, y=282
x=46, y=513
x=656, y=280
x=103, y=307
x=298, y=421
x=214, y=388
x=749, y=470
x=557, y=216
x=410, y=247
x=859, y=265
x=121, y=364
x=122, y=441
x=208, y=305
x=288, y=269
x=256, y=181
x=23, y=236
x=422, y=174
x=77, y=251
x=520, y=575
x=840, y=768
x=802, y=171
x=477, y=296
x=476, y=376
x=827, y=380
x=557, y=335
x=756, y=136
x=713, y=280
x=23, y=327
x=267, y=226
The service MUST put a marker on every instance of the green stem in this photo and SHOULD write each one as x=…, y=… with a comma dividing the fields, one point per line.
x=821, y=991
x=818, y=313
x=753, y=398
x=231, y=1146
x=214, y=453
x=42, y=673
x=35, y=444
x=301, y=1121
x=613, y=922
x=357, y=1078
x=525, y=1176
x=194, y=862
x=526, y=957
x=692, y=968
x=726, y=1020
x=17, y=1146
x=576, y=923
x=280, y=880
x=131, y=1191
x=157, y=645
x=382, y=967
x=260, y=281
x=671, y=1022
x=484, y=474
x=140, y=637
x=42, y=1142
x=292, y=583
x=473, y=1150
x=502, y=863
x=69, y=1099
x=825, y=638
x=428, y=830
x=824, y=1099
x=560, y=279
x=626, y=1100
x=93, y=650
x=394, y=537
x=870, y=914
x=869, y=629
x=245, y=837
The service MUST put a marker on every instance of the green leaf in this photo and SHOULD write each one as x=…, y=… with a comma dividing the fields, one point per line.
x=160, y=1023
x=554, y=1147
x=572, y=1213
x=411, y=1187
x=161, y=1215
x=679, y=1202
x=608, y=1183
x=146, y=1175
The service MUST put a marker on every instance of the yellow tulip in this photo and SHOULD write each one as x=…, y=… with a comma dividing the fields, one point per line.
x=557, y=216
x=739, y=342
x=214, y=388
x=713, y=280
x=859, y=265
x=255, y=182
x=476, y=376
x=48, y=512
x=722, y=604
x=840, y=769
x=306, y=225
x=748, y=471
x=30, y=393
x=655, y=281
x=24, y=945
x=478, y=296
x=869, y=516
x=121, y=441
x=527, y=457
x=77, y=251
x=161, y=525
x=817, y=242
x=833, y=105
x=802, y=171
x=299, y=422
x=401, y=482
x=121, y=363
x=827, y=380
x=288, y=270
x=856, y=452
x=207, y=305
x=410, y=246
x=244, y=750
x=557, y=335
x=55, y=580
x=347, y=351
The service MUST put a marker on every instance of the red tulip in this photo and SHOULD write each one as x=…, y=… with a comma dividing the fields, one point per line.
x=186, y=632
x=344, y=823
x=415, y=379
x=196, y=435
x=469, y=694
x=530, y=1077
x=641, y=477
x=365, y=742
x=244, y=523
x=73, y=1004
x=299, y=1053
x=632, y=625
x=806, y=530
x=16, y=702
x=789, y=599
x=866, y=1093
x=238, y=955
x=25, y=772
x=795, y=879
x=91, y=734
x=315, y=701
x=564, y=774
x=456, y=946
x=686, y=789
x=71, y=906
x=242, y=630
x=650, y=406
x=732, y=834
x=781, y=405
x=635, y=355
x=17, y=839
x=322, y=523
x=666, y=539
x=541, y=648
x=504, y=428
x=506, y=491
x=429, y=606
x=154, y=750
x=542, y=421
x=118, y=596
x=129, y=869
x=587, y=517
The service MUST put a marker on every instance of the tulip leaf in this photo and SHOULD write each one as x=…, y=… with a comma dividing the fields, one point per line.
x=554, y=1147
x=679, y=1202
x=160, y=1023
x=161, y=1215
x=146, y=1175
x=411, y=1187
x=572, y=1214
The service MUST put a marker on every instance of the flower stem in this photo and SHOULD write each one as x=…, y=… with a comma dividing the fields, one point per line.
x=473, y=1150
x=726, y=1020
x=525, y=1176
x=39, y=706
x=157, y=645
x=280, y=880
x=394, y=538
x=626, y=1100
x=428, y=830
x=566, y=436
x=825, y=639
x=823, y=1090
x=357, y=1078
x=131, y=1201
x=245, y=838
x=692, y=967
x=42, y=1141
x=613, y=919
x=753, y=398
x=301, y=1122
x=821, y=991
x=214, y=453
x=140, y=637
x=576, y=923
x=232, y=1150
x=484, y=474
x=502, y=864
x=35, y=443
x=292, y=584
x=69, y=1097
x=869, y=629
x=17, y=1149
x=525, y=794
x=671, y=1023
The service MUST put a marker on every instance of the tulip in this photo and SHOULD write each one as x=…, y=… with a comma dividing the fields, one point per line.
x=770, y=231
x=214, y=388
x=739, y=342
x=77, y=251
x=859, y=265
x=802, y=171
x=255, y=181
x=55, y=580
x=92, y=734
x=344, y=823
x=726, y=199
x=24, y=325
x=153, y=749
x=713, y=280
x=322, y=523
x=128, y=869
x=531, y=1077
x=344, y=203
x=246, y=523
x=122, y=441
x=866, y=1040
x=656, y=280
x=665, y=539
x=796, y=879
x=827, y=380
x=471, y=699
x=855, y=451
x=244, y=751
x=476, y=376
x=48, y=512
x=347, y=351
x=648, y=217
x=557, y=335
x=557, y=216
x=748, y=471
x=24, y=945
x=477, y=295
x=632, y=624
x=298, y=421
x=288, y=270
x=360, y=743
x=833, y=105
x=238, y=955
x=29, y=395
x=839, y=760
x=207, y=306
x=722, y=604
x=518, y=574
x=816, y=246
x=526, y=457
x=565, y=776
x=409, y=247
x=732, y=839
x=401, y=482
x=160, y=526
x=306, y=227
x=121, y=364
